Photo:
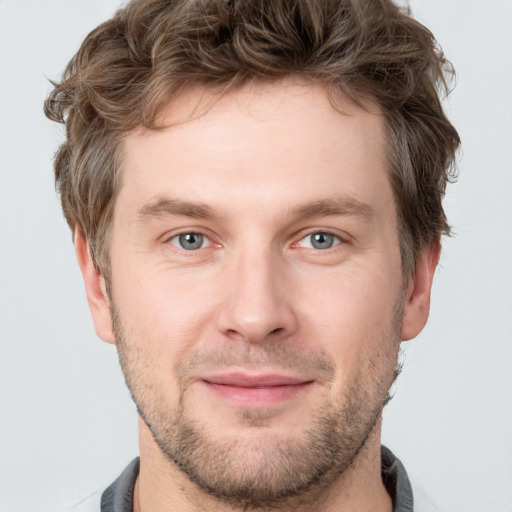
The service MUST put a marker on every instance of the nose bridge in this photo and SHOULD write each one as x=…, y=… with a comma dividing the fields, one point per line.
x=256, y=304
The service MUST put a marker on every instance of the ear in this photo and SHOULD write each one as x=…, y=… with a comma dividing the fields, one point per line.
x=95, y=289
x=417, y=298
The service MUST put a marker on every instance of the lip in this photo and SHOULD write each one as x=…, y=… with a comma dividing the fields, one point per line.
x=255, y=391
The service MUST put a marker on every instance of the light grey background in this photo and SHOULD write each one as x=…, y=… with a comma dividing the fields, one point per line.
x=67, y=425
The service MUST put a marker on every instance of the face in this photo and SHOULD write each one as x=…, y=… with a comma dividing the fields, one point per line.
x=256, y=288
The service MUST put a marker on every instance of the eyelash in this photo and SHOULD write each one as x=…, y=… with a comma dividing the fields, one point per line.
x=336, y=241
x=178, y=236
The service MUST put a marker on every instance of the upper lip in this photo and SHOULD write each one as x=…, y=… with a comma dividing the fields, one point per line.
x=238, y=379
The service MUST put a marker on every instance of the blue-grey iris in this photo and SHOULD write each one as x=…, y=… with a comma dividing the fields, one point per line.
x=191, y=241
x=322, y=240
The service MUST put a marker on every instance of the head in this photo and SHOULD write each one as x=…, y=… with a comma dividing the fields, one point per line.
x=256, y=194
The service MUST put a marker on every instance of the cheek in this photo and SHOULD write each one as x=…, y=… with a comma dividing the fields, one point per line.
x=164, y=317
x=352, y=315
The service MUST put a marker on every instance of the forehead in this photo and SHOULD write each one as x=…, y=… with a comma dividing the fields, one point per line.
x=273, y=143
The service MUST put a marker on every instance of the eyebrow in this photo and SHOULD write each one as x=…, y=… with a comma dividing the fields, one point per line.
x=339, y=206
x=164, y=206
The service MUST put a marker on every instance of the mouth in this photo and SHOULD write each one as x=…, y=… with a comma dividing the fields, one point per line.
x=255, y=391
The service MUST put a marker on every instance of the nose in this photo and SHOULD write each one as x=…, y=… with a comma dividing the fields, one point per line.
x=257, y=302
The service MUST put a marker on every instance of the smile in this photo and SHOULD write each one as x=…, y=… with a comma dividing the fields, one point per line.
x=255, y=391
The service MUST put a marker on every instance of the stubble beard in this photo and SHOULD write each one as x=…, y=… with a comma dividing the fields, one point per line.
x=272, y=472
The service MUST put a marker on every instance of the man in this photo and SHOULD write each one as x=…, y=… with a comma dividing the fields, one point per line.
x=254, y=190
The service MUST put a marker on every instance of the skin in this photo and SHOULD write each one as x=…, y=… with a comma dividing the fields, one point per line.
x=257, y=175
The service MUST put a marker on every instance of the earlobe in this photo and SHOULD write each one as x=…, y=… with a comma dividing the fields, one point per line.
x=417, y=298
x=95, y=289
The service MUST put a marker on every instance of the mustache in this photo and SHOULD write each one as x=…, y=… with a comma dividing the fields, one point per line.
x=275, y=356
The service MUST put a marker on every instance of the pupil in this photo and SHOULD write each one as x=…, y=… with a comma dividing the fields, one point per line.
x=322, y=241
x=191, y=241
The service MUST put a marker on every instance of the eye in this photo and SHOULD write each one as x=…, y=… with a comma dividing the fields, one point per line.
x=190, y=241
x=320, y=241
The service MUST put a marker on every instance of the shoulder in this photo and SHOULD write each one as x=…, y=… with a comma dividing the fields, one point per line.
x=422, y=501
x=90, y=504
x=118, y=497
x=408, y=494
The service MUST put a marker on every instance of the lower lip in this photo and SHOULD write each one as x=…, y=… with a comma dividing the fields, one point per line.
x=257, y=397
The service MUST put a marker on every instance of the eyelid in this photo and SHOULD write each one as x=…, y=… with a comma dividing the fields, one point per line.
x=206, y=242
x=208, y=236
x=342, y=238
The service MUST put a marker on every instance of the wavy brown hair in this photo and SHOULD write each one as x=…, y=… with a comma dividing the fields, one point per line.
x=131, y=66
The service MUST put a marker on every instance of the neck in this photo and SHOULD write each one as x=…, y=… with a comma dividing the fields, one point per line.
x=358, y=489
